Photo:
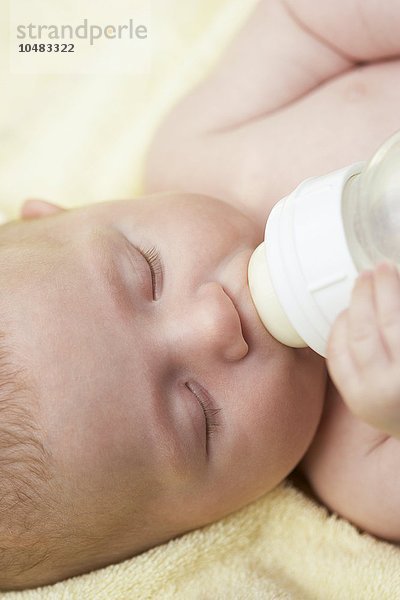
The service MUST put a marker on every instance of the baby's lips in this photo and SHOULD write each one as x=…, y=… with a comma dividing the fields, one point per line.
x=235, y=285
x=241, y=346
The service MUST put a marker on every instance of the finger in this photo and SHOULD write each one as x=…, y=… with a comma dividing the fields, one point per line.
x=34, y=208
x=341, y=366
x=365, y=342
x=387, y=300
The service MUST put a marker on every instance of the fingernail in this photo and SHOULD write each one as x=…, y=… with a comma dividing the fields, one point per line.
x=364, y=275
x=387, y=267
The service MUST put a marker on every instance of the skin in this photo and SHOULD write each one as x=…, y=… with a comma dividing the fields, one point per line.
x=128, y=438
x=365, y=349
x=306, y=88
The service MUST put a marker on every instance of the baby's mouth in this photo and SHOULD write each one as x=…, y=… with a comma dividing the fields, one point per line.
x=235, y=304
x=234, y=281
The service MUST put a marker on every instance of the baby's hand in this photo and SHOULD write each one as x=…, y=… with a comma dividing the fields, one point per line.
x=363, y=351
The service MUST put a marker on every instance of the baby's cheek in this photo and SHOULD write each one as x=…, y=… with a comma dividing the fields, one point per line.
x=280, y=417
x=268, y=424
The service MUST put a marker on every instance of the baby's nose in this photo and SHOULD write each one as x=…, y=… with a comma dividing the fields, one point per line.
x=212, y=325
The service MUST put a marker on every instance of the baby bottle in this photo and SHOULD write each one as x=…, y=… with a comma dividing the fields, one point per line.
x=318, y=239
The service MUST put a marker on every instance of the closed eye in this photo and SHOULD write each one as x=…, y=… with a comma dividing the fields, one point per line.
x=210, y=412
x=153, y=259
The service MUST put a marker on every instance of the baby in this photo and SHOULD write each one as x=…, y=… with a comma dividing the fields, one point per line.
x=159, y=401
x=307, y=88
x=141, y=396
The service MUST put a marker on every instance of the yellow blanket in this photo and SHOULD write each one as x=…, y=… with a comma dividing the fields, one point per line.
x=81, y=139
x=282, y=547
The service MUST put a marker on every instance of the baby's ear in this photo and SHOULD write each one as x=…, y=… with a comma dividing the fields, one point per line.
x=34, y=209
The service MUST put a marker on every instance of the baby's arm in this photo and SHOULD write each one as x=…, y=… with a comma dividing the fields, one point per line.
x=353, y=462
x=289, y=100
x=353, y=471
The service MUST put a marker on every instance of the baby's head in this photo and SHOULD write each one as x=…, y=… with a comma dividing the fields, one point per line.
x=140, y=395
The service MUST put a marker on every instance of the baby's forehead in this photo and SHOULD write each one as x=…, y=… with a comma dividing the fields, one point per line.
x=167, y=202
x=190, y=215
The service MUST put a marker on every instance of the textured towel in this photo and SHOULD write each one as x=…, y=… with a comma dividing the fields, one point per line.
x=282, y=547
x=81, y=139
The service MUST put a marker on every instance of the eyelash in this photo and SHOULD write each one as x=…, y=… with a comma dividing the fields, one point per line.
x=153, y=258
x=210, y=413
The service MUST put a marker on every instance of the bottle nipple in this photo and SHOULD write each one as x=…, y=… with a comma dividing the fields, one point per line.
x=266, y=301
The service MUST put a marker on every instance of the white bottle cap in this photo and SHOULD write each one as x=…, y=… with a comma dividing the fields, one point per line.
x=309, y=265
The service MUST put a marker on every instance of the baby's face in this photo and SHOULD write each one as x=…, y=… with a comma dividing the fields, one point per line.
x=119, y=355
